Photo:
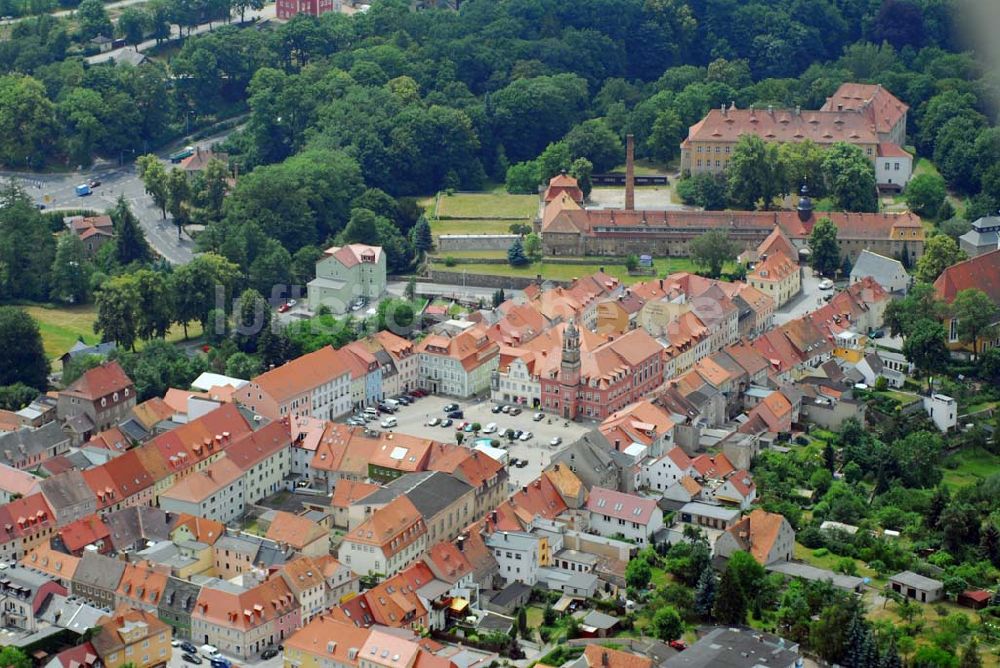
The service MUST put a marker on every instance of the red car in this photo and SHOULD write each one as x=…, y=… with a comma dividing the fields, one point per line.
x=284, y=307
x=679, y=645
x=419, y=393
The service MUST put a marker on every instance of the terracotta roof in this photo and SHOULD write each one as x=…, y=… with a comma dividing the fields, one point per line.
x=25, y=517
x=84, y=531
x=563, y=183
x=691, y=485
x=109, y=640
x=110, y=439
x=718, y=466
x=295, y=530
x=757, y=532
x=354, y=254
x=142, y=584
x=880, y=107
x=128, y=474
x=177, y=399
x=981, y=273
x=392, y=521
x=324, y=633
x=246, y=610
x=381, y=646
x=396, y=346
x=203, y=529
x=198, y=160
x=184, y=446
x=743, y=482
x=679, y=457
x=99, y=382
x=16, y=481
x=470, y=466
x=564, y=480
x=783, y=125
x=642, y=422
x=51, y=562
x=348, y=491
x=298, y=376
x=775, y=267
x=302, y=574
x=538, y=498
x=887, y=149
x=447, y=562
x=250, y=449
x=200, y=485
x=472, y=348
x=599, y=656
x=153, y=411
x=620, y=505
x=394, y=603
x=81, y=656
x=402, y=452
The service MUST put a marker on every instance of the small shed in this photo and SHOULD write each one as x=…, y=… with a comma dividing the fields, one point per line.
x=977, y=599
x=510, y=598
x=595, y=624
x=916, y=586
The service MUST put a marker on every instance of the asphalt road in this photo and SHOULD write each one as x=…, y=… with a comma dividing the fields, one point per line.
x=67, y=12
x=57, y=191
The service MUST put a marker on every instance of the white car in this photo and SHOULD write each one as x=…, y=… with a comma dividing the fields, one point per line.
x=388, y=423
x=826, y=284
x=490, y=428
x=526, y=436
x=556, y=440
x=433, y=422
x=538, y=417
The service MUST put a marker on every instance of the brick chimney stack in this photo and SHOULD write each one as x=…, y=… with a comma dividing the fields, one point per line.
x=629, y=173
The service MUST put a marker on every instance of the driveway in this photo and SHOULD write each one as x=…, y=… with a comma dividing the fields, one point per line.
x=808, y=300
x=536, y=451
x=177, y=662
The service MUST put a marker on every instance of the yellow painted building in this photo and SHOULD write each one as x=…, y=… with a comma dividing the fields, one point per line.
x=136, y=637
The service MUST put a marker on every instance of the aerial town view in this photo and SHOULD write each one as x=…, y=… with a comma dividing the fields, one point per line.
x=499, y=334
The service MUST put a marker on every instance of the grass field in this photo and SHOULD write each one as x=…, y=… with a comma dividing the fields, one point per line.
x=565, y=272
x=973, y=466
x=62, y=327
x=829, y=561
x=471, y=226
x=488, y=204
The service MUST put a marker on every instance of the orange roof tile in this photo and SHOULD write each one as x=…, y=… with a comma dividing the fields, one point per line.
x=605, y=657
x=295, y=530
x=200, y=485
x=99, y=382
x=51, y=562
x=324, y=633
x=298, y=376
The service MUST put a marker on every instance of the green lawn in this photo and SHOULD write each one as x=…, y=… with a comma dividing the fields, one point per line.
x=565, y=272
x=534, y=615
x=472, y=226
x=829, y=561
x=497, y=204
x=61, y=327
x=973, y=466
x=645, y=168
x=904, y=398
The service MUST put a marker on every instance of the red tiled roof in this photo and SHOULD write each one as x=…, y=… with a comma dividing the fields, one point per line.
x=621, y=506
x=879, y=106
x=981, y=273
x=100, y=381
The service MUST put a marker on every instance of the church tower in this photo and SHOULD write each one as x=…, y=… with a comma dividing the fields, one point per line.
x=569, y=370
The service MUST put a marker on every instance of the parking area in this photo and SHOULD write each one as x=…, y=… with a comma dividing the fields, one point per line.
x=808, y=300
x=177, y=662
x=536, y=450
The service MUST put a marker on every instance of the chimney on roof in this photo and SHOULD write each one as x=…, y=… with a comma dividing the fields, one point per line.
x=629, y=172
x=840, y=107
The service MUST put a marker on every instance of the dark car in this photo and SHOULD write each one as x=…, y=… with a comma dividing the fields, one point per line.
x=456, y=415
x=412, y=398
x=94, y=183
x=448, y=408
x=447, y=422
x=189, y=647
x=517, y=434
x=403, y=400
x=878, y=334
x=521, y=464
x=386, y=408
x=269, y=653
x=496, y=409
x=191, y=658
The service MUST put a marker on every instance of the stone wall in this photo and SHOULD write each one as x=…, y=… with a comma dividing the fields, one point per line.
x=485, y=280
x=471, y=242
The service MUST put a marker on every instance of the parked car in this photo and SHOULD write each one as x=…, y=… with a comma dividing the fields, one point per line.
x=284, y=308
x=526, y=436
x=496, y=408
x=521, y=464
x=447, y=422
x=538, y=417
x=388, y=423
x=456, y=415
x=418, y=393
x=826, y=284
x=556, y=440
x=355, y=422
x=505, y=409
x=468, y=428
x=386, y=408
x=412, y=398
x=269, y=653
x=433, y=422
x=514, y=411
x=189, y=647
x=679, y=645
x=208, y=651
x=517, y=434
x=176, y=642
x=93, y=183
x=878, y=334
x=448, y=408
x=191, y=658
x=490, y=428
x=219, y=661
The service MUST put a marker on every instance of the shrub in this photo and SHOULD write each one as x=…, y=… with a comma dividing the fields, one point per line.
x=821, y=552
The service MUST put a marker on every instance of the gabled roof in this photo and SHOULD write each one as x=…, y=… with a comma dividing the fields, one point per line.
x=99, y=382
x=387, y=523
x=331, y=638
x=200, y=485
x=245, y=610
x=880, y=107
x=51, y=562
x=981, y=272
x=717, y=466
x=348, y=491
x=84, y=531
x=621, y=506
x=142, y=584
x=98, y=571
x=354, y=254
x=447, y=562
x=757, y=532
x=250, y=449
x=295, y=530
x=298, y=376
x=598, y=656
x=203, y=529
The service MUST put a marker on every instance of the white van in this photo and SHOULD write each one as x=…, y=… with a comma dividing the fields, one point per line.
x=392, y=403
x=371, y=410
x=209, y=651
x=388, y=423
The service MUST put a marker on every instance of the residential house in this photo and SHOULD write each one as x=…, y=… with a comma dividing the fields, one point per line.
x=28, y=447
x=265, y=459
x=317, y=385
x=486, y=476
x=81, y=349
x=981, y=273
x=518, y=555
x=778, y=276
x=663, y=472
x=590, y=458
x=341, y=582
x=599, y=656
x=386, y=542
x=23, y=593
x=69, y=496
x=299, y=533
x=563, y=183
x=135, y=637
x=871, y=368
x=80, y=656
x=57, y=565
x=445, y=502
x=195, y=163
x=643, y=423
x=737, y=648
x=304, y=578
x=86, y=533
x=243, y=622
x=92, y=231
x=768, y=537
x=326, y=642
x=943, y=411
x=615, y=513
x=141, y=587
x=345, y=273
x=345, y=495
x=25, y=524
x=176, y=605
x=461, y=365
x=96, y=579
x=216, y=492
x=98, y=399
x=403, y=358
x=887, y=272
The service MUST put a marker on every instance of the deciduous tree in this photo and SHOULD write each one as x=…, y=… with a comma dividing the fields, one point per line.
x=154, y=179
x=22, y=356
x=977, y=316
x=850, y=178
x=755, y=173
x=825, y=247
x=940, y=252
x=925, y=194
x=70, y=271
x=712, y=250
